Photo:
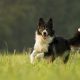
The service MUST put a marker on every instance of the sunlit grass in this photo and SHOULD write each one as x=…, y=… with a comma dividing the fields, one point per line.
x=18, y=67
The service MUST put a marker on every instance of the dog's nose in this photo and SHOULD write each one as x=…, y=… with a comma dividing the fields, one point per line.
x=44, y=33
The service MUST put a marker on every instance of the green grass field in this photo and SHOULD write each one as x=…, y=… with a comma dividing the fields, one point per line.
x=18, y=67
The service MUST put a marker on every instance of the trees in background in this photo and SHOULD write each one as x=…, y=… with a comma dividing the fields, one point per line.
x=18, y=20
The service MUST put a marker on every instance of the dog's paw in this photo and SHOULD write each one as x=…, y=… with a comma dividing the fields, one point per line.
x=31, y=59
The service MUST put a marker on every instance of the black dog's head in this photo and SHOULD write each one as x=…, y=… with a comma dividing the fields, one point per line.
x=45, y=29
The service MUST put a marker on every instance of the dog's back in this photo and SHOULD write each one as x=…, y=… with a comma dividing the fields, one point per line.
x=61, y=45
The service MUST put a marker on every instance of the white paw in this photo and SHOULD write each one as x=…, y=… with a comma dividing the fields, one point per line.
x=31, y=59
x=39, y=56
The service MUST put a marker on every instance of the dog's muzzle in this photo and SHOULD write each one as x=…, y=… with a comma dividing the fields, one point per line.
x=44, y=34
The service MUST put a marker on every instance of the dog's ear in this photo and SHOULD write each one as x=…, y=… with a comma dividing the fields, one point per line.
x=50, y=23
x=41, y=21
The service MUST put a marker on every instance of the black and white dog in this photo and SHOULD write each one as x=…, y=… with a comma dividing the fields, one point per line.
x=47, y=44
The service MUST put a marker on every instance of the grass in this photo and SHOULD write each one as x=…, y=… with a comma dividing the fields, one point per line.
x=18, y=67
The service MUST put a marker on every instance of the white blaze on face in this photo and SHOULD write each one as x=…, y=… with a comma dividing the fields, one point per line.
x=44, y=31
x=78, y=29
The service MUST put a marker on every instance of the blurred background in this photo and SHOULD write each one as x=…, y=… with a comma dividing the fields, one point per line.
x=19, y=18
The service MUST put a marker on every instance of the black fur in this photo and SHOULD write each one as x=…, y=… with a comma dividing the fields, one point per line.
x=58, y=47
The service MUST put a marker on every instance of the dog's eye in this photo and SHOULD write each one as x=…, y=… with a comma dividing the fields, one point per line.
x=40, y=29
x=46, y=28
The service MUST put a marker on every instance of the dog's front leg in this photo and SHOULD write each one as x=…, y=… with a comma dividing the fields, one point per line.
x=39, y=56
x=32, y=57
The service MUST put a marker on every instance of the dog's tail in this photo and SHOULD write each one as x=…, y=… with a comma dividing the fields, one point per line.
x=75, y=40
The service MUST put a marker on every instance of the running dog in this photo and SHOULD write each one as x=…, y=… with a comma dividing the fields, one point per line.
x=47, y=44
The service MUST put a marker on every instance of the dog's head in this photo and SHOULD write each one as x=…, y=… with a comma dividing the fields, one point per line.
x=45, y=29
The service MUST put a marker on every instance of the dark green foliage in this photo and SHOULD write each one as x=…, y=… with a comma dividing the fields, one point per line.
x=18, y=20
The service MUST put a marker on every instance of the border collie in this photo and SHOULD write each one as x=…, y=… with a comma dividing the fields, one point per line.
x=47, y=45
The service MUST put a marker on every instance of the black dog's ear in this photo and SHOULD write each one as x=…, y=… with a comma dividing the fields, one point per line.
x=50, y=22
x=41, y=22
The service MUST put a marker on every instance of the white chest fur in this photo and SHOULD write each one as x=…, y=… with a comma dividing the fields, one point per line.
x=41, y=45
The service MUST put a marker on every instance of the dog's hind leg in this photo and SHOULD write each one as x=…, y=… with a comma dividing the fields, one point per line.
x=66, y=57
